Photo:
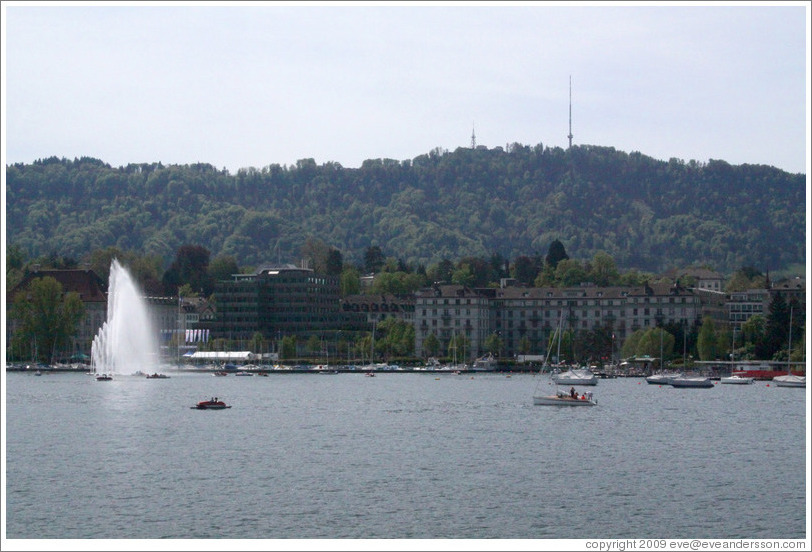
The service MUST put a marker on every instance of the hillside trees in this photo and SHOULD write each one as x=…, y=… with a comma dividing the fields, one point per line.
x=190, y=266
x=644, y=213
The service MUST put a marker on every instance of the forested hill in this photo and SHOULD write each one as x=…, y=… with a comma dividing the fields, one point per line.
x=646, y=213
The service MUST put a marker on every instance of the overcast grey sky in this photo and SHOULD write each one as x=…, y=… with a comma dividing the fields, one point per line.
x=256, y=84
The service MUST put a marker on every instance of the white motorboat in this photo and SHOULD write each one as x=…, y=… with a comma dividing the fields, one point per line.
x=692, y=381
x=663, y=378
x=790, y=380
x=486, y=363
x=576, y=376
x=736, y=380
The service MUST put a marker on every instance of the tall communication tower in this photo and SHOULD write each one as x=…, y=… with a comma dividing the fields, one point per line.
x=473, y=136
x=570, y=134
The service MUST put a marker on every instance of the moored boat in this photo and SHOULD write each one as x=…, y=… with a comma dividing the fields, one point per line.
x=692, y=381
x=736, y=379
x=663, y=378
x=580, y=376
x=157, y=376
x=790, y=380
x=486, y=363
x=104, y=377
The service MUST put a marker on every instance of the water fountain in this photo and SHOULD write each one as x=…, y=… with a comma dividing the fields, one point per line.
x=126, y=342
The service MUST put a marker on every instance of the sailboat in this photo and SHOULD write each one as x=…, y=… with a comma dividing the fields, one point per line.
x=560, y=398
x=790, y=380
x=455, y=366
x=662, y=377
x=573, y=376
x=735, y=379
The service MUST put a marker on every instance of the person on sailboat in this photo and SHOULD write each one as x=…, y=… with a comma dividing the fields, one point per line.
x=573, y=394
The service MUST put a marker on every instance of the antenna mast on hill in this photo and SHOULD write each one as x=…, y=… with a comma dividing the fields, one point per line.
x=473, y=136
x=570, y=134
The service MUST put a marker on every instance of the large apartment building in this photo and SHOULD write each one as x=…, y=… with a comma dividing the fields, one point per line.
x=531, y=315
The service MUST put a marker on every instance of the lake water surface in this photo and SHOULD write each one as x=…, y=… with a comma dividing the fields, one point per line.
x=399, y=456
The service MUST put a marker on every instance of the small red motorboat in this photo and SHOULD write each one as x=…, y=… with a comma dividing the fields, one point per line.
x=212, y=404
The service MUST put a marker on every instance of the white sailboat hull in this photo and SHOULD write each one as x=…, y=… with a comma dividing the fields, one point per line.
x=576, y=377
x=663, y=379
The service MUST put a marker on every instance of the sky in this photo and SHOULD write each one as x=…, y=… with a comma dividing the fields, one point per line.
x=253, y=84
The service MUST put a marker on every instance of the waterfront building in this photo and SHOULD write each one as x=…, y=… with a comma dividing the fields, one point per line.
x=372, y=309
x=741, y=305
x=448, y=311
x=526, y=318
x=277, y=301
x=791, y=288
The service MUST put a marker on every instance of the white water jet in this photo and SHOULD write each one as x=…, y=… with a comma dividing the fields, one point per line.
x=126, y=342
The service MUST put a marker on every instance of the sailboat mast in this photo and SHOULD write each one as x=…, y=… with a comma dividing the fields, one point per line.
x=789, y=345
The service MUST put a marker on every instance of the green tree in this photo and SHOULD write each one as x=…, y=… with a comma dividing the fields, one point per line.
x=603, y=271
x=317, y=254
x=655, y=342
x=190, y=266
x=570, y=272
x=396, y=337
x=47, y=318
x=745, y=278
x=288, y=350
x=441, y=272
x=524, y=270
x=350, y=282
x=707, y=343
x=313, y=345
x=431, y=345
x=186, y=291
x=222, y=267
x=629, y=347
x=335, y=263
x=463, y=276
x=493, y=344
x=524, y=345
x=776, y=332
x=373, y=259
x=752, y=331
x=257, y=343
x=555, y=254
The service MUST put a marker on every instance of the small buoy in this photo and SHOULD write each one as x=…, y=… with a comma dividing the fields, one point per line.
x=437, y=378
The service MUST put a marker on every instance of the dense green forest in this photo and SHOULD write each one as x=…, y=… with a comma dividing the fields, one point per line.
x=647, y=214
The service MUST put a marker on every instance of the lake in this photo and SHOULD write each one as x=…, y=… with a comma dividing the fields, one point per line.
x=399, y=456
